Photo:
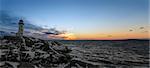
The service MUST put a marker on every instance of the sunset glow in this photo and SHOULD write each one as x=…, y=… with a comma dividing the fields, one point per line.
x=82, y=19
x=68, y=36
x=114, y=36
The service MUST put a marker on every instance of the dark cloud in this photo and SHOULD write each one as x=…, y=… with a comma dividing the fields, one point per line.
x=6, y=19
x=130, y=30
x=53, y=31
x=56, y=32
x=145, y=32
x=11, y=20
x=49, y=33
x=141, y=27
x=9, y=23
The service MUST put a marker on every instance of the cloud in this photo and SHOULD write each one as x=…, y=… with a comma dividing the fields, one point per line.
x=9, y=23
x=141, y=27
x=130, y=30
x=144, y=31
x=9, y=20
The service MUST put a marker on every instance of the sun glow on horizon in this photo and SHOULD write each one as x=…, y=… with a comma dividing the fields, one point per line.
x=113, y=36
x=68, y=36
x=82, y=20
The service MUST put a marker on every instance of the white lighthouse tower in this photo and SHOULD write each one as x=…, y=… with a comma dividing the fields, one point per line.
x=21, y=28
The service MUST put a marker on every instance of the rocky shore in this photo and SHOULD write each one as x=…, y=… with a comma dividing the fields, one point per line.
x=18, y=52
x=29, y=52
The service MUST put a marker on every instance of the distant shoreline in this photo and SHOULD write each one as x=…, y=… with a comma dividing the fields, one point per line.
x=107, y=40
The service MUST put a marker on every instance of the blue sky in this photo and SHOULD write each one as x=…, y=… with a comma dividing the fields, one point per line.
x=82, y=16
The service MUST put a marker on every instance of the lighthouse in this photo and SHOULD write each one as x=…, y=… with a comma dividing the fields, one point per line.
x=21, y=28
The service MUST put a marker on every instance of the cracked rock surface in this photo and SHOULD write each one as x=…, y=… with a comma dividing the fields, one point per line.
x=29, y=52
x=16, y=52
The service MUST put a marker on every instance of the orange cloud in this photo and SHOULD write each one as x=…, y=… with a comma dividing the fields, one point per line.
x=68, y=36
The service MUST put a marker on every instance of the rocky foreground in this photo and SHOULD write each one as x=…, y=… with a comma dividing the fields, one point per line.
x=29, y=52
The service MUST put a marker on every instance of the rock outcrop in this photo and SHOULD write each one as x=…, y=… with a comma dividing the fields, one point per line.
x=33, y=52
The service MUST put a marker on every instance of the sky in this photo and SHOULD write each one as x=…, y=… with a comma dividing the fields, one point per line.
x=85, y=19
